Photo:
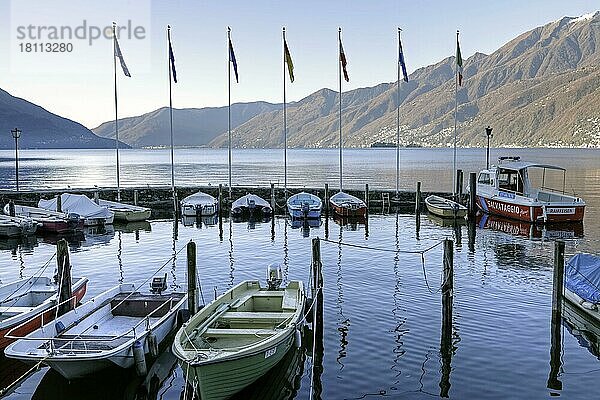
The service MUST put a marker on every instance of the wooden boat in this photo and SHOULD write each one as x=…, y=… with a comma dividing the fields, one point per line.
x=580, y=324
x=346, y=205
x=103, y=332
x=506, y=190
x=250, y=204
x=126, y=212
x=304, y=205
x=28, y=303
x=199, y=204
x=91, y=213
x=582, y=283
x=445, y=208
x=49, y=221
x=240, y=336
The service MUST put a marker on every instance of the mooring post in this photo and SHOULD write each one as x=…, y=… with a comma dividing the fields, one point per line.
x=367, y=196
x=326, y=199
x=11, y=208
x=555, y=330
x=135, y=197
x=418, y=198
x=59, y=203
x=96, y=197
x=459, y=184
x=472, y=195
x=175, y=203
x=220, y=199
x=191, y=278
x=273, y=203
x=471, y=232
x=448, y=286
x=317, y=286
x=63, y=277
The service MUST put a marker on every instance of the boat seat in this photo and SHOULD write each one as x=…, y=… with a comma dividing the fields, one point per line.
x=247, y=297
x=238, y=332
x=15, y=310
x=290, y=301
x=256, y=316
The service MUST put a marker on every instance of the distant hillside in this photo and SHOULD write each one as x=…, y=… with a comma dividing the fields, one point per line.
x=191, y=126
x=41, y=128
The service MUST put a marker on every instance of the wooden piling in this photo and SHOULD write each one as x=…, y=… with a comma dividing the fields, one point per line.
x=459, y=183
x=273, y=203
x=220, y=199
x=97, y=197
x=367, y=196
x=472, y=195
x=558, y=277
x=448, y=287
x=135, y=197
x=317, y=287
x=191, y=278
x=556, y=326
x=63, y=277
x=326, y=199
x=59, y=203
x=11, y=208
x=418, y=198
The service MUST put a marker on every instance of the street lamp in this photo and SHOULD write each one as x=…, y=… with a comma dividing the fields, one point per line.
x=488, y=132
x=16, y=134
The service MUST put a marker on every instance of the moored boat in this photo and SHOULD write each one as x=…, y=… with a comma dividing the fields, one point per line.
x=506, y=190
x=28, y=303
x=16, y=226
x=199, y=204
x=445, y=208
x=112, y=329
x=126, y=212
x=240, y=336
x=250, y=204
x=582, y=283
x=48, y=221
x=91, y=213
x=346, y=205
x=304, y=205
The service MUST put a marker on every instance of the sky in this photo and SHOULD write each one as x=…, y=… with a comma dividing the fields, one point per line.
x=78, y=84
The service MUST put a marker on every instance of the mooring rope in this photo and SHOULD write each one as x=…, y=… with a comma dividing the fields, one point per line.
x=396, y=251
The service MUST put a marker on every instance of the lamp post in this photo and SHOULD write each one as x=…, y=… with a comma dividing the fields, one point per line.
x=16, y=134
x=488, y=132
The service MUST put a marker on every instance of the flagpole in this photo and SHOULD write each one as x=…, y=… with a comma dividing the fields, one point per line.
x=398, y=120
x=116, y=112
x=229, y=106
x=284, y=125
x=171, y=118
x=455, y=134
x=340, y=82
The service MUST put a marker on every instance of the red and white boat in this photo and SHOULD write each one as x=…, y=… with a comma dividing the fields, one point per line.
x=28, y=303
x=506, y=190
x=48, y=221
x=346, y=205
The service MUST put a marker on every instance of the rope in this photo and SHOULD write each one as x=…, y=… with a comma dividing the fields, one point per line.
x=358, y=246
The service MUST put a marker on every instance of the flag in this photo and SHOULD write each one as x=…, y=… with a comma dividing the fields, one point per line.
x=343, y=61
x=233, y=60
x=288, y=60
x=172, y=59
x=459, y=62
x=119, y=55
x=401, y=59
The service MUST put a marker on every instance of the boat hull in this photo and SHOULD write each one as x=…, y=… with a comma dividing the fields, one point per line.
x=190, y=210
x=531, y=213
x=11, y=230
x=299, y=214
x=359, y=212
x=446, y=213
x=48, y=315
x=131, y=215
x=61, y=226
x=578, y=302
x=219, y=381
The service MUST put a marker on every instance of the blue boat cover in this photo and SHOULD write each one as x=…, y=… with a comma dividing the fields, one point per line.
x=583, y=276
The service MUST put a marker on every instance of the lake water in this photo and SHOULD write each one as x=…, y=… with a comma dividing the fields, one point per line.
x=382, y=310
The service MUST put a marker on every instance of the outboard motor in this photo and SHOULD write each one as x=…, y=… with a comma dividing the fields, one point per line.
x=251, y=205
x=158, y=284
x=274, y=276
x=305, y=209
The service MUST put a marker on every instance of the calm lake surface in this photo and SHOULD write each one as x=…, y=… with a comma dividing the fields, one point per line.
x=382, y=310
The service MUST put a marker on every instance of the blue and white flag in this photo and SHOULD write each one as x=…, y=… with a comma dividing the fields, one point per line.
x=233, y=61
x=172, y=59
x=401, y=59
x=119, y=55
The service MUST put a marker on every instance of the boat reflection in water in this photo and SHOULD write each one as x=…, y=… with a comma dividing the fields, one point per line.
x=565, y=230
x=112, y=383
x=582, y=327
x=19, y=242
x=200, y=221
x=74, y=239
x=252, y=220
x=350, y=223
x=446, y=222
x=133, y=227
x=305, y=225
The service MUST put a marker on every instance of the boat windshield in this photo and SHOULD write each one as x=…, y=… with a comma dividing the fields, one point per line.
x=511, y=180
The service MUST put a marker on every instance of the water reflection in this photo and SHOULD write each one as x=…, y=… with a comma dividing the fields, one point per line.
x=13, y=244
x=343, y=321
x=252, y=221
x=584, y=328
x=398, y=311
x=305, y=225
x=231, y=258
x=529, y=230
x=205, y=221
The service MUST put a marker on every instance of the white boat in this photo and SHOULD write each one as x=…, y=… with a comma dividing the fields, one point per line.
x=199, y=204
x=507, y=191
x=346, y=205
x=304, y=205
x=28, y=302
x=250, y=204
x=16, y=226
x=445, y=208
x=240, y=336
x=103, y=332
x=126, y=212
x=48, y=221
x=582, y=283
x=92, y=213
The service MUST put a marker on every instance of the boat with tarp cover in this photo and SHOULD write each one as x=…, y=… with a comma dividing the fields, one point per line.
x=582, y=283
